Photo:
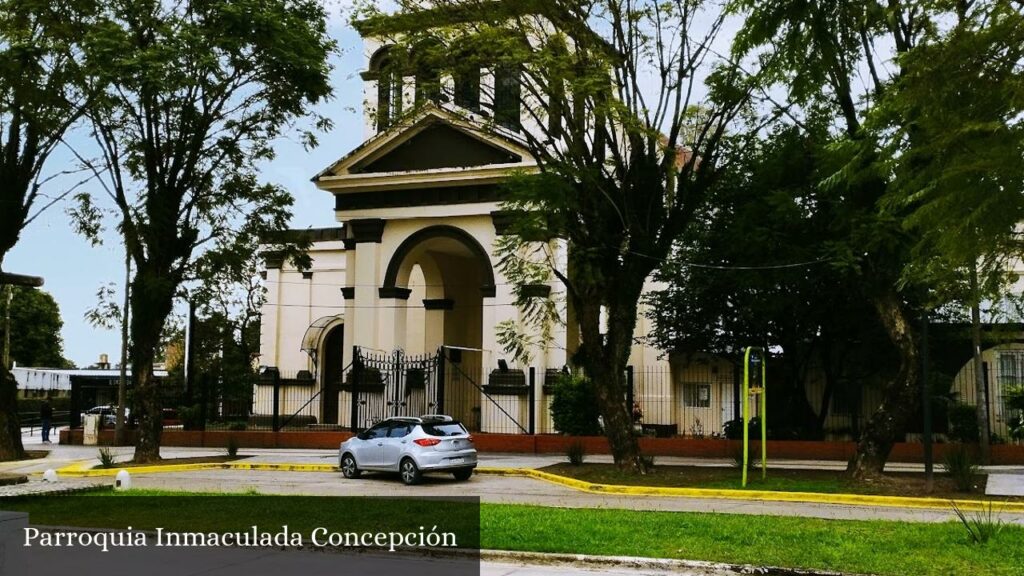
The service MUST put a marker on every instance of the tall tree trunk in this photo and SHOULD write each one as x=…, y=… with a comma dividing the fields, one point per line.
x=605, y=363
x=152, y=297
x=980, y=391
x=899, y=395
x=11, y=447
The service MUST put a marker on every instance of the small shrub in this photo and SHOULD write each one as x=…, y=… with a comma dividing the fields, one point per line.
x=106, y=458
x=573, y=407
x=648, y=462
x=575, y=453
x=237, y=426
x=733, y=429
x=963, y=423
x=981, y=526
x=232, y=446
x=191, y=417
x=697, y=429
x=961, y=466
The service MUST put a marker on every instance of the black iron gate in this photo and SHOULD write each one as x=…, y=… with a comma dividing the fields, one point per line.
x=384, y=385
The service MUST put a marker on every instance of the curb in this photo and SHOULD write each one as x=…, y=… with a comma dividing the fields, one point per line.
x=761, y=495
x=690, y=567
x=80, y=470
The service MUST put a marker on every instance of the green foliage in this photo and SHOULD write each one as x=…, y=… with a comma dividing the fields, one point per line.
x=106, y=458
x=32, y=405
x=35, y=328
x=981, y=525
x=963, y=423
x=191, y=417
x=576, y=452
x=961, y=465
x=1013, y=396
x=574, y=410
x=222, y=80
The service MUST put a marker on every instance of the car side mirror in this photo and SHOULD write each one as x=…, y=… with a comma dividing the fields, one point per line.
x=362, y=436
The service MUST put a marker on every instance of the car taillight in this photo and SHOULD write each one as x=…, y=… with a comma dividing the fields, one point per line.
x=427, y=441
x=469, y=439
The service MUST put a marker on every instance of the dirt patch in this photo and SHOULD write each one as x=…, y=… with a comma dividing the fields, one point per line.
x=176, y=461
x=10, y=479
x=787, y=480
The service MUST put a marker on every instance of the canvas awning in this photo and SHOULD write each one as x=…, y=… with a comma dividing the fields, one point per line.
x=314, y=334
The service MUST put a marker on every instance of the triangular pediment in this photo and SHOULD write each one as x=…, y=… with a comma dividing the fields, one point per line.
x=434, y=139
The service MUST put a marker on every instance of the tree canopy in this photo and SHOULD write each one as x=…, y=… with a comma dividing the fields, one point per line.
x=35, y=329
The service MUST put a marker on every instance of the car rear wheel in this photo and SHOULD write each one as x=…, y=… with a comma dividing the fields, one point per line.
x=349, y=468
x=410, y=472
x=462, y=475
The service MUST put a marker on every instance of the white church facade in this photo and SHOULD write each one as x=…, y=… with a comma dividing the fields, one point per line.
x=412, y=266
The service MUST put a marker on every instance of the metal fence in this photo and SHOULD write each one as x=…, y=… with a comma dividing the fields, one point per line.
x=696, y=399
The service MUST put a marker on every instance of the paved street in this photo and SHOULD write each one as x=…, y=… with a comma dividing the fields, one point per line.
x=489, y=488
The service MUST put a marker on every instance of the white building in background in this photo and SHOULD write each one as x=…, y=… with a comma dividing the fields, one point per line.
x=412, y=266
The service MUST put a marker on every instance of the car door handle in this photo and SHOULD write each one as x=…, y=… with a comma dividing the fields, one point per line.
x=380, y=444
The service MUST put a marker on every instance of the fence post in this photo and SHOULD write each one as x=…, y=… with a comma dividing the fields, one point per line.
x=275, y=421
x=442, y=361
x=357, y=374
x=532, y=400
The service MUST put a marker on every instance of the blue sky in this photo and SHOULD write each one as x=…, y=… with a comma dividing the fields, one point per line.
x=74, y=270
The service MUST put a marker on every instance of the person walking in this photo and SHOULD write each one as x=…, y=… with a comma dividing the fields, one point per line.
x=46, y=415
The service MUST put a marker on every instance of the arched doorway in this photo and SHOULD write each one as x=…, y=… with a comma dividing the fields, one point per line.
x=333, y=372
x=447, y=274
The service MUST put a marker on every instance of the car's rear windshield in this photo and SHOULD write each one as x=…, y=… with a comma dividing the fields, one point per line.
x=444, y=428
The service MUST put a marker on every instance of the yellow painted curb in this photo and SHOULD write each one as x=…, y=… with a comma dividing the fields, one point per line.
x=84, y=469
x=759, y=495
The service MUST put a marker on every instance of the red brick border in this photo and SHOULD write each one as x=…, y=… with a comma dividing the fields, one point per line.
x=551, y=444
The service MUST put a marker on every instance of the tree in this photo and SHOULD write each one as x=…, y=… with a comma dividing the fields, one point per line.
x=41, y=95
x=625, y=153
x=961, y=181
x=35, y=329
x=818, y=51
x=883, y=145
x=198, y=92
x=755, y=269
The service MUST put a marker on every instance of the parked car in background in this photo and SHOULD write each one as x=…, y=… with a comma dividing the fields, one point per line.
x=108, y=414
x=411, y=447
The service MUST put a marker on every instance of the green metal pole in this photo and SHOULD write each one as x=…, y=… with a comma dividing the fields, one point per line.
x=746, y=413
x=764, y=417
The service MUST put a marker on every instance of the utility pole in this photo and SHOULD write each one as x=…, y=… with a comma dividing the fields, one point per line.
x=122, y=382
x=926, y=408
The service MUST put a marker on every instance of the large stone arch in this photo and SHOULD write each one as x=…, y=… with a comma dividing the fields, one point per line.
x=392, y=278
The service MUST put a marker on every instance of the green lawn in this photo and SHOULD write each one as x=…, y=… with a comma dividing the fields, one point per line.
x=849, y=546
x=785, y=480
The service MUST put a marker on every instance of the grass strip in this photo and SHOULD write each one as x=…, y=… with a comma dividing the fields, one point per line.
x=877, y=547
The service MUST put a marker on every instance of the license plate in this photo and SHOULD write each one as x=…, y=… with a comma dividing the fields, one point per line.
x=456, y=460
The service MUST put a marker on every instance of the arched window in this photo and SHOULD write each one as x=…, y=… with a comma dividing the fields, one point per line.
x=466, y=78
x=427, y=57
x=386, y=69
x=507, y=95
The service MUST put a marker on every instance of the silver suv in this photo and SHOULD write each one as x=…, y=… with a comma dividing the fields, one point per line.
x=410, y=446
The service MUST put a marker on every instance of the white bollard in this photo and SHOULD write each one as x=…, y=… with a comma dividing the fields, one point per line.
x=123, y=481
x=50, y=475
